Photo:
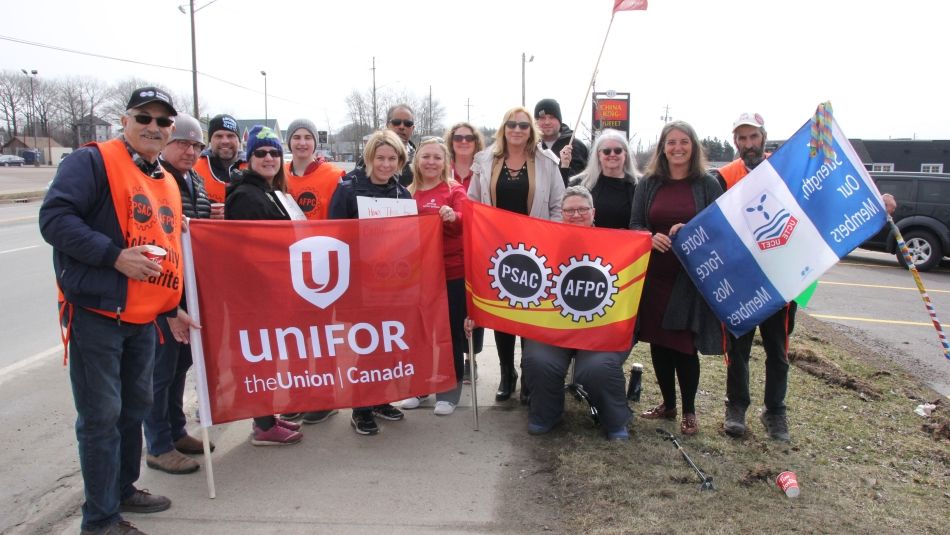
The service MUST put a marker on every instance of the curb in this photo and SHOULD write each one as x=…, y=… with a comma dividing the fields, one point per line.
x=22, y=196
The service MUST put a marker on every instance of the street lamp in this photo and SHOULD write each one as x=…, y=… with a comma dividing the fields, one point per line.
x=31, y=75
x=264, y=74
x=523, y=61
x=194, y=53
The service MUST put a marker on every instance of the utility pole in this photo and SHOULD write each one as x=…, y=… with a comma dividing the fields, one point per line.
x=468, y=110
x=523, y=61
x=32, y=74
x=264, y=74
x=194, y=61
x=375, y=114
x=666, y=115
x=429, y=115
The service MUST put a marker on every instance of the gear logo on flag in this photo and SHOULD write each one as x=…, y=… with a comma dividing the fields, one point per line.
x=584, y=288
x=770, y=222
x=520, y=275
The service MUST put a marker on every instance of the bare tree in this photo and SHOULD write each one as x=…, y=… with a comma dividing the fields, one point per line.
x=79, y=97
x=12, y=99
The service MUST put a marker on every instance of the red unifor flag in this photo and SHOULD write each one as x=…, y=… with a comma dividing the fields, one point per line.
x=629, y=5
x=561, y=284
x=314, y=315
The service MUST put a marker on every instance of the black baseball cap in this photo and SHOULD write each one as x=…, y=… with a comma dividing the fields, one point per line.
x=144, y=95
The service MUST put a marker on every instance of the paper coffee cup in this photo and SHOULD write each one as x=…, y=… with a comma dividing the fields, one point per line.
x=788, y=482
x=217, y=206
x=155, y=253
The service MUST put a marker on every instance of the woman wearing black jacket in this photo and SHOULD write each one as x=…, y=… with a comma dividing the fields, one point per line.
x=611, y=177
x=254, y=196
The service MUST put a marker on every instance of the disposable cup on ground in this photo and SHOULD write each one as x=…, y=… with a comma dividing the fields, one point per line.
x=788, y=482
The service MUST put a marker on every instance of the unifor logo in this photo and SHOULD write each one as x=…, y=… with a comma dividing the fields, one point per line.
x=770, y=223
x=320, y=269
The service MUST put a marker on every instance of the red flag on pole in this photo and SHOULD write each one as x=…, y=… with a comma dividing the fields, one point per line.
x=629, y=5
x=560, y=284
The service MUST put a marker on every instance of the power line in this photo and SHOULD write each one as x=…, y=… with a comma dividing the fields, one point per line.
x=145, y=63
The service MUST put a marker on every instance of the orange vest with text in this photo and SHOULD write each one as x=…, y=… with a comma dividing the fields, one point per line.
x=214, y=187
x=735, y=171
x=149, y=213
x=313, y=191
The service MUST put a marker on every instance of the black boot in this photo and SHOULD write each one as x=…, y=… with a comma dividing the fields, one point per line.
x=525, y=395
x=636, y=383
x=509, y=381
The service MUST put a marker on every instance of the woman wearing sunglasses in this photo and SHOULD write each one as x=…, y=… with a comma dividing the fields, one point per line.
x=611, y=178
x=599, y=372
x=518, y=175
x=673, y=317
x=464, y=142
x=254, y=195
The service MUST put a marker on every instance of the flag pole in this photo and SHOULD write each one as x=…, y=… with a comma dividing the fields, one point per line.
x=593, y=75
x=198, y=356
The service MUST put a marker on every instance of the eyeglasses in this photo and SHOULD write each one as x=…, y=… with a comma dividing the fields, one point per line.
x=399, y=122
x=523, y=125
x=185, y=145
x=576, y=211
x=143, y=119
x=260, y=153
x=458, y=138
x=616, y=150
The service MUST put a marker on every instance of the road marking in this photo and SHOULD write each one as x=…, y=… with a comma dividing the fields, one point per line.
x=871, y=320
x=914, y=288
x=843, y=263
x=28, y=363
x=19, y=249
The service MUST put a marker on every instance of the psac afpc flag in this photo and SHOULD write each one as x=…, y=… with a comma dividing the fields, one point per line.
x=779, y=229
x=561, y=284
x=312, y=315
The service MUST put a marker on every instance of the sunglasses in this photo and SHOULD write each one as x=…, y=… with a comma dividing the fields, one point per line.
x=523, y=125
x=143, y=119
x=399, y=122
x=576, y=211
x=458, y=138
x=260, y=153
x=616, y=150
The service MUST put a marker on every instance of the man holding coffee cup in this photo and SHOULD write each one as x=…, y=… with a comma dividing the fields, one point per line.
x=106, y=205
x=166, y=438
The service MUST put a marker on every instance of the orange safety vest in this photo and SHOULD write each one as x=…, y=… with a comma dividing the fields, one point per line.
x=214, y=186
x=735, y=171
x=313, y=191
x=149, y=213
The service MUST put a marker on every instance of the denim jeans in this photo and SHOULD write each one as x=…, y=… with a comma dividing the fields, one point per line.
x=110, y=367
x=165, y=423
x=455, y=289
x=774, y=331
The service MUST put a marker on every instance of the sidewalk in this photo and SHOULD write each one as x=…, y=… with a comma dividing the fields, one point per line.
x=425, y=474
x=24, y=183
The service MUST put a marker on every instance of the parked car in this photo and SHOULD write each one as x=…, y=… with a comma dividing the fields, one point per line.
x=923, y=216
x=9, y=159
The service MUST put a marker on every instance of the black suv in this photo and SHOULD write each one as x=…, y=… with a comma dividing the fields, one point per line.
x=923, y=216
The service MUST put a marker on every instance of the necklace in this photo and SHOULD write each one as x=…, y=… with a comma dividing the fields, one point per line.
x=517, y=174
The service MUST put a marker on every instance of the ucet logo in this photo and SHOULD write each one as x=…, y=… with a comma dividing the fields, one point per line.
x=320, y=269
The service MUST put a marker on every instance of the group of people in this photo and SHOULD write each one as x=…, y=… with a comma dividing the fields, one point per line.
x=128, y=331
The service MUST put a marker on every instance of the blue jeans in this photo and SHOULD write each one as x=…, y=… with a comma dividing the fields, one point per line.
x=165, y=423
x=110, y=367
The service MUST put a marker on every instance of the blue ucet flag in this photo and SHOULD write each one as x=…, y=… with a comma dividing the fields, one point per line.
x=779, y=229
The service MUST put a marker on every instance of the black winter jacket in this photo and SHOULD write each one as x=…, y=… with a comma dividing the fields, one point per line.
x=249, y=197
x=579, y=155
x=357, y=184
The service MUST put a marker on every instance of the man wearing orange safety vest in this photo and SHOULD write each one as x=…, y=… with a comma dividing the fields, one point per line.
x=749, y=136
x=310, y=180
x=222, y=157
x=113, y=217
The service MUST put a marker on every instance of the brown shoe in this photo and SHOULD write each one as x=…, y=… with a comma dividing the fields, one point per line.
x=660, y=411
x=172, y=462
x=120, y=528
x=143, y=501
x=689, y=425
x=191, y=445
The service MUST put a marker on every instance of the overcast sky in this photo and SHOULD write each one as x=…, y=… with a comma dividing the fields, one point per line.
x=882, y=63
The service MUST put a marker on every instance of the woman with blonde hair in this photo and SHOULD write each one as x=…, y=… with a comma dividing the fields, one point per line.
x=517, y=174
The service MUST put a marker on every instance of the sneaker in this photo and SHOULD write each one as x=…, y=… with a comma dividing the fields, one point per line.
x=620, y=435
x=142, y=501
x=388, y=412
x=689, y=426
x=364, y=423
x=277, y=435
x=317, y=417
x=120, y=528
x=411, y=403
x=776, y=425
x=288, y=425
x=660, y=411
x=444, y=408
x=172, y=462
x=191, y=445
x=734, y=424
x=292, y=416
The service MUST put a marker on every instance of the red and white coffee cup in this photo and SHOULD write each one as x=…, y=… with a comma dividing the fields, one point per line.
x=788, y=482
x=155, y=253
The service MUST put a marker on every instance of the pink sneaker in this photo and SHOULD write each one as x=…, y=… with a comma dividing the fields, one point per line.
x=287, y=424
x=275, y=436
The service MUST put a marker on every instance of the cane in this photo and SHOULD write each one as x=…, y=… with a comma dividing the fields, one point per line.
x=706, y=482
x=474, y=376
x=920, y=286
